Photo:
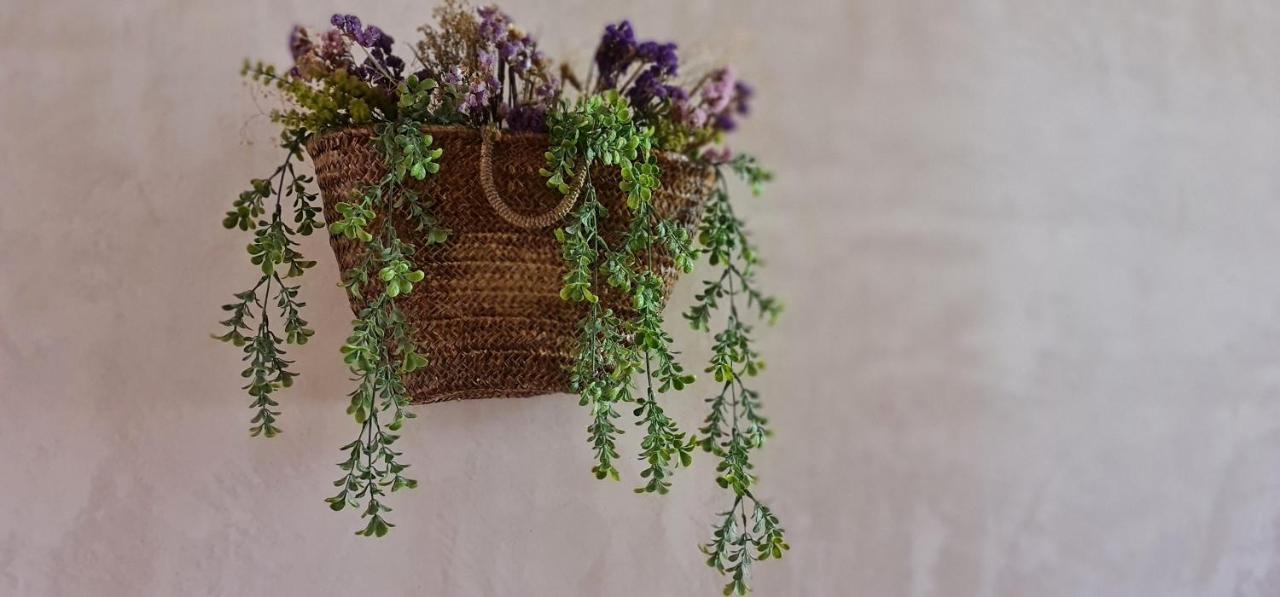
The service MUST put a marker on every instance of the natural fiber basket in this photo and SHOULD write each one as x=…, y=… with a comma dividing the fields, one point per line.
x=489, y=316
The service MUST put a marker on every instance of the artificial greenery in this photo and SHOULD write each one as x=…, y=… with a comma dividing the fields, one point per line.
x=271, y=248
x=478, y=69
x=602, y=128
x=380, y=349
x=735, y=427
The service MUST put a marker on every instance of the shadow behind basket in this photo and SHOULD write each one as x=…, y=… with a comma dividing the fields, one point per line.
x=489, y=316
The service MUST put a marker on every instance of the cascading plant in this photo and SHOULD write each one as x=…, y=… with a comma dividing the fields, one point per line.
x=476, y=68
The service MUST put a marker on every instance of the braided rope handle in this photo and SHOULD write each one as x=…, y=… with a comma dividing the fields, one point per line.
x=500, y=206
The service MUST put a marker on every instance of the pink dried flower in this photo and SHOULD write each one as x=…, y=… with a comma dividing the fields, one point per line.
x=719, y=90
x=718, y=155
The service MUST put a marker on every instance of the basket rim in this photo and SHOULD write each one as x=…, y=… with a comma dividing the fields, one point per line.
x=367, y=130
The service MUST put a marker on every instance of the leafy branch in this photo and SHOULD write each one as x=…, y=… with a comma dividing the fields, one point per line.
x=380, y=349
x=664, y=446
x=604, y=365
x=612, y=350
x=272, y=250
x=748, y=531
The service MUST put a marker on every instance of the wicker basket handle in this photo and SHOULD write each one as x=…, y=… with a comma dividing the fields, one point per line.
x=504, y=210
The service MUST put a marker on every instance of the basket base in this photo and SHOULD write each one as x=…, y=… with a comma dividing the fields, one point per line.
x=490, y=374
x=474, y=394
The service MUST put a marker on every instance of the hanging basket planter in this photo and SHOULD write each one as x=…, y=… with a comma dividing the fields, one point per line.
x=489, y=314
x=504, y=229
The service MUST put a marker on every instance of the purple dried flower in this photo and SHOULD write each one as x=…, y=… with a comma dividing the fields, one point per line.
x=662, y=56
x=527, y=118
x=507, y=49
x=381, y=68
x=349, y=24
x=743, y=93
x=519, y=51
x=617, y=49
x=299, y=42
x=477, y=98
x=521, y=64
x=493, y=23
x=452, y=77
x=374, y=37
x=725, y=122
x=649, y=86
x=546, y=92
x=645, y=88
x=370, y=37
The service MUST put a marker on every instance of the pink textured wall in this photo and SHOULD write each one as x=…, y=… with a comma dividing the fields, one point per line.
x=1033, y=345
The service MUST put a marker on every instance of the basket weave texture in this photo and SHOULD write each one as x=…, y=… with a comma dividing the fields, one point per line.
x=489, y=316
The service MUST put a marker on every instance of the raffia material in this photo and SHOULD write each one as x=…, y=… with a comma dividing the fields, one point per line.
x=489, y=316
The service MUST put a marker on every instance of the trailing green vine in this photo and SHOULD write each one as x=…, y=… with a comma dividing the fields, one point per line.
x=271, y=249
x=380, y=350
x=748, y=530
x=613, y=349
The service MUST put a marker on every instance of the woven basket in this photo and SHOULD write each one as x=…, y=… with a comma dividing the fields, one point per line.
x=489, y=316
